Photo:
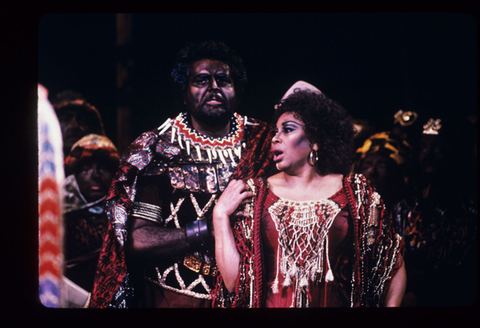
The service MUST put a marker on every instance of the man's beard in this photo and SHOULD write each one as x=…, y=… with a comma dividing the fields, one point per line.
x=214, y=119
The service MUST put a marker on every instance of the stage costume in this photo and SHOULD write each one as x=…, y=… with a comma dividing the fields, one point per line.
x=440, y=224
x=173, y=176
x=334, y=252
x=85, y=221
x=85, y=225
x=439, y=220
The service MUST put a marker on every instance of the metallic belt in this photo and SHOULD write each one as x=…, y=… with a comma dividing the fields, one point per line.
x=197, y=265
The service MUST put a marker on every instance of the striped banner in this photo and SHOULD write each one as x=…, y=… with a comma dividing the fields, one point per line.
x=50, y=179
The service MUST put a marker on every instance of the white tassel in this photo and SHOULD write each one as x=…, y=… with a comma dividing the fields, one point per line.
x=329, y=275
x=287, y=281
x=188, y=147
x=164, y=127
x=230, y=154
x=275, y=282
x=275, y=286
x=238, y=151
x=293, y=270
x=246, y=122
x=180, y=141
x=304, y=281
x=199, y=154
x=173, y=135
x=209, y=153
x=220, y=154
x=214, y=153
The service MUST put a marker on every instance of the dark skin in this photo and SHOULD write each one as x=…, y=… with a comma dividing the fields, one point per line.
x=210, y=97
x=94, y=178
x=385, y=175
x=211, y=93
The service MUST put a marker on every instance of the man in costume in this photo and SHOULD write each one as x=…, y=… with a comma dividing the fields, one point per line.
x=158, y=249
x=439, y=217
x=77, y=118
x=385, y=160
x=90, y=166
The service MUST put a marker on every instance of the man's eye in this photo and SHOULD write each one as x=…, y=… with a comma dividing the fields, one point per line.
x=223, y=80
x=201, y=79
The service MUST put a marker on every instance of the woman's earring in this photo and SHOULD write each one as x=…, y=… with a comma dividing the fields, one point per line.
x=312, y=158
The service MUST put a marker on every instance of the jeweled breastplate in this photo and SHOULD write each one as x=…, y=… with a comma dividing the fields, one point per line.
x=198, y=169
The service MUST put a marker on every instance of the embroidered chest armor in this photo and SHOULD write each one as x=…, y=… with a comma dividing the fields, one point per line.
x=191, y=170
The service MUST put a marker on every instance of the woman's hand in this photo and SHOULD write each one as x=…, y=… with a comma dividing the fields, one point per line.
x=237, y=193
x=226, y=252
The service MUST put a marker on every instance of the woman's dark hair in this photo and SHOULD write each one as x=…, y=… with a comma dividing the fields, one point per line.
x=325, y=123
x=209, y=50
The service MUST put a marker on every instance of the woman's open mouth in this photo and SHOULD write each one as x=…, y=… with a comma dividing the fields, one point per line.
x=277, y=154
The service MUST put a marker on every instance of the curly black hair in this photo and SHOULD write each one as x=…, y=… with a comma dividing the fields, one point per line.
x=326, y=123
x=209, y=50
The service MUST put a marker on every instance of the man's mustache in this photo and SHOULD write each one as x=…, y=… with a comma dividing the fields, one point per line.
x=215, y=96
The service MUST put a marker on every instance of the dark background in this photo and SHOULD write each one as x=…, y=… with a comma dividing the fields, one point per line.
x=372, y=63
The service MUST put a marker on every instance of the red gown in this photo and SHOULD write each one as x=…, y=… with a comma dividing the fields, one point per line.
x=334, y=295
x=364, y=252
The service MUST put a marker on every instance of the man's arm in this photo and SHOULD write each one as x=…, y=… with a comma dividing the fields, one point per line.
x=149, y=240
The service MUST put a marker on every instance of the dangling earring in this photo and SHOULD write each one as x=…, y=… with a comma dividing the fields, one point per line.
x=312, y=158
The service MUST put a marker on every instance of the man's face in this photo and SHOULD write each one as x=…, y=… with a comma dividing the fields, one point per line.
x=432, y=153
x=376, y=168
x=210, y=95
x=75, y=125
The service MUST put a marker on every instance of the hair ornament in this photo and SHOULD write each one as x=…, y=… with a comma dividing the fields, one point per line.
x=432, y=127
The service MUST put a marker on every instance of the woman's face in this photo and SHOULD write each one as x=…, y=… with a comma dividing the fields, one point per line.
x=290, y=145
x=94, y=179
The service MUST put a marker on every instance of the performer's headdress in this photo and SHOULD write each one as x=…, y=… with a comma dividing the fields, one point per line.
x=88, y=146
x=383, y=142
x=82, y=106
x=432, y=126
x=405, y=118
x=298, y=86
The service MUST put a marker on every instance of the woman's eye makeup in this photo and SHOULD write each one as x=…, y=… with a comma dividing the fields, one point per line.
x=289, y=127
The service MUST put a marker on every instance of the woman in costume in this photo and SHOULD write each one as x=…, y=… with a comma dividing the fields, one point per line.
x=310, y=235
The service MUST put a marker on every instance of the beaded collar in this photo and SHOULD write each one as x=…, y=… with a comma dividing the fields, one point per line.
x=225, y=147
x=233, y=139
